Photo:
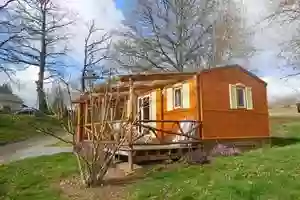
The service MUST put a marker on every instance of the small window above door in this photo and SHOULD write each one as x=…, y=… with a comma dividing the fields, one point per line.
x=177, y=97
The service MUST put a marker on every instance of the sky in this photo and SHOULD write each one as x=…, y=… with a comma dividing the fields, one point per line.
x=109, y=15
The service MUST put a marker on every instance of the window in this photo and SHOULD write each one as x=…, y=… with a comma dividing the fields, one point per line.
x=177, y=98
x=240, y=96
x=240, y=91
x=146, y=108
x=143, y=110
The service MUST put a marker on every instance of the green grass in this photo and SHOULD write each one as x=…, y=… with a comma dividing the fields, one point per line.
x=285, y=126
x=265, y=174
x=261, y=174
x=33, y=179
x=15, y=128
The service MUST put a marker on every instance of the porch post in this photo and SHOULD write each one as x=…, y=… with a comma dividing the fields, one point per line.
x=130, y=112
x=162, y=114
x=86, y=112
x=79, y=123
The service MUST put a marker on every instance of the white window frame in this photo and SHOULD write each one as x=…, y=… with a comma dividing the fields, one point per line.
x=234, y=97
x=141, y=129
x=142, y=111
x=174, y=97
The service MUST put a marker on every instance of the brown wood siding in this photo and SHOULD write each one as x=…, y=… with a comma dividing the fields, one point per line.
x=219, y=121
x=180, y=113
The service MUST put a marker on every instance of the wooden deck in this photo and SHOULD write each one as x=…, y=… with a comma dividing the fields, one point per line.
x=155, y=152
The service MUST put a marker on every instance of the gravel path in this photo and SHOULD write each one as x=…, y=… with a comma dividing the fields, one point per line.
x=30, y=148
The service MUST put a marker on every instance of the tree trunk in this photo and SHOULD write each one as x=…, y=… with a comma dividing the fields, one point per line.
x=40, y=85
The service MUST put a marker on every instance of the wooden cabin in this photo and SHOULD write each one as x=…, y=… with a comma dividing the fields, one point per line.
x=227, y=104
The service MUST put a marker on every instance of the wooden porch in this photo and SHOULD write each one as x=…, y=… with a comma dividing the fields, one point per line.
x=137, y=138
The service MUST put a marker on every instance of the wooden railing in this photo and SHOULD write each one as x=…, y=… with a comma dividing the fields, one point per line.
x=191, y=138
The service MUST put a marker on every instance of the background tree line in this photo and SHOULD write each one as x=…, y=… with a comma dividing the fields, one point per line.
x=168, y=35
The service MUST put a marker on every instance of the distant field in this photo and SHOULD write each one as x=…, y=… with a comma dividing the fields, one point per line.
x=286, y=112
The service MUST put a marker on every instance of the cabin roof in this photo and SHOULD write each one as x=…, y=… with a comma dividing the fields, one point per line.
x=180, y=75
x=157, y=76
x=143, y=82
x=235, y=66
x=140, y=85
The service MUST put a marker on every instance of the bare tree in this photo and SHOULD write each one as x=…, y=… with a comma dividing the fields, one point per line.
x=96, y=49
x=5, y=4
x=173, y=35
x=97, y=155
x=285, y=15
x=232, y=34
x=9, y=32
x=44, y=40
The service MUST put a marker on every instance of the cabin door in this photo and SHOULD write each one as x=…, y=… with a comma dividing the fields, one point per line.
x=147, y=111
x=143, y=110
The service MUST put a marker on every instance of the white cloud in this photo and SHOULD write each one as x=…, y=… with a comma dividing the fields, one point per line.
x=107, y=17
x=282, y=88
x=24, y=84
x=105, y=14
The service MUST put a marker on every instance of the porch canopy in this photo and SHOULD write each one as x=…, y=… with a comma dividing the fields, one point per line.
x=141, y=83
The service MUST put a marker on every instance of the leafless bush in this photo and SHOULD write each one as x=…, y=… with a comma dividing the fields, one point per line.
x=95, y=155
x=223, y=150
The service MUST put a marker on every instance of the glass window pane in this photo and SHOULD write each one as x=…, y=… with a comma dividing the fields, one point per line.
x=146, y=109
x=177, y=97
x=240, y=97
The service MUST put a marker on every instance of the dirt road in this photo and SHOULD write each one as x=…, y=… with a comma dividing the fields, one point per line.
x=30, y=148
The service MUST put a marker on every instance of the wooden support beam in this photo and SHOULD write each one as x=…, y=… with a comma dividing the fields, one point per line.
x=92, y=117
x=130, y=110
x=167, y=121
x=162, y=125
x=79, y=133
x=157, y=76
x=86, y=112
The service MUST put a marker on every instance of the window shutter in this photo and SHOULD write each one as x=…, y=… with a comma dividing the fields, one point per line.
x=186, y=95
x=153, y=107
x=169, y=99
x=232, y=96
x=249, y=100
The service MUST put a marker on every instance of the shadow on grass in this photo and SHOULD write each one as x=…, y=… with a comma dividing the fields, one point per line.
x=284, y=141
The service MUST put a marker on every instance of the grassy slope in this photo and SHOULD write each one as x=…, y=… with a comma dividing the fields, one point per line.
x=15, y=128
x=269, y=174
x=261, y=174
x=31, y=179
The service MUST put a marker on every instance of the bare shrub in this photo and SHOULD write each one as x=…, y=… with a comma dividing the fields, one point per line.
x=223, y=150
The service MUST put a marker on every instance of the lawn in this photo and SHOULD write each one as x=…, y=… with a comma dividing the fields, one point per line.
x=33, y=178
x=15, y=128
x=285, y=127
x=261, y=174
